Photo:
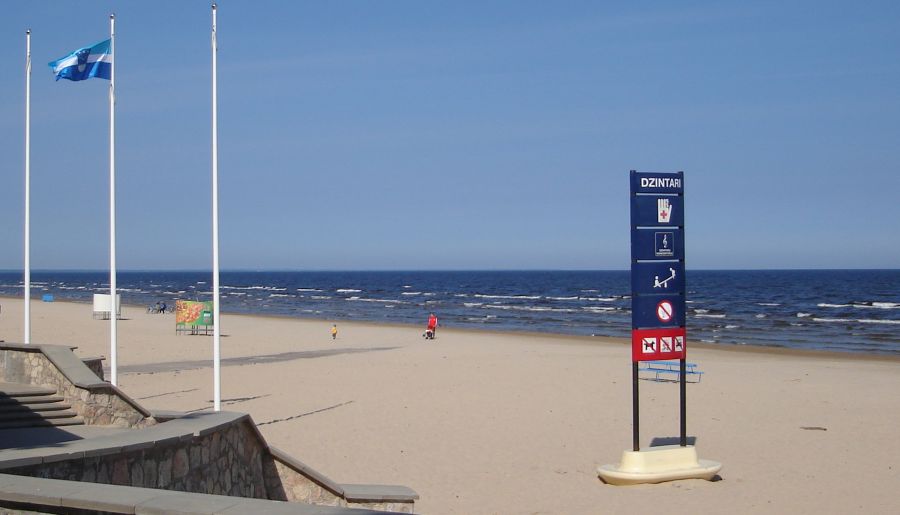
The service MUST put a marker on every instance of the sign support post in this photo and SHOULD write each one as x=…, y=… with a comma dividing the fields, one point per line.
x=658, y=325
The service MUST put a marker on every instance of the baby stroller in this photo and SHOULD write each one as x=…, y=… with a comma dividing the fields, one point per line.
x=429, y=334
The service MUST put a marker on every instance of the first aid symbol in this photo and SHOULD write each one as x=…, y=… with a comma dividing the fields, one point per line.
x=663, y=210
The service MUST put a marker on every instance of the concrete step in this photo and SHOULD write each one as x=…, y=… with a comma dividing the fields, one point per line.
x=31, y=415
x=23, y=405
x=71, y=421
x=28, y=399
x=23, y=390
x=36, y=408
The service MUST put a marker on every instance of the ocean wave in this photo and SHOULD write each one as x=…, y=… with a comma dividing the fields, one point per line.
x=826, y=305
x=761, y=315
x=878, y=305
x=525, y=297
x=308, y=289
x=599, y=299
x=562, y=298
x=411, y=293
x=871, y=321
x=732, y=326
x=347, y=290
x=529, y=308
x=832, y=320
x=279, y=295
x=388, y=301
x=709, y=315
x=320, y=297
x=701, y=311
x=768, y=303
x=473, y=304
x=803, y=315
x=599, y=309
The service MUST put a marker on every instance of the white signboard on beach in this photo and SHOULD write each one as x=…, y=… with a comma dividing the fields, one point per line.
x=102, y=305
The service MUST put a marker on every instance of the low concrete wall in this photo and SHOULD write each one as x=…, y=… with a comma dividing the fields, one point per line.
x=219, y=453
x=94, y=400
x=28, y=495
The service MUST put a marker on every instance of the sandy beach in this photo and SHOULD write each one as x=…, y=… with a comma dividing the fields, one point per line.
x=481, y=422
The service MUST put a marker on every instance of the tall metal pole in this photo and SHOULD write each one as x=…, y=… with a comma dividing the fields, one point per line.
x=683, y=403
x=636, y=417
x=27, y=336
x=217, y=394
x=113, y=311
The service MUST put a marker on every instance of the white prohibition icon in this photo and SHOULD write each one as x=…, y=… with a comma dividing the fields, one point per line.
x=664, y=311
x=665, y=344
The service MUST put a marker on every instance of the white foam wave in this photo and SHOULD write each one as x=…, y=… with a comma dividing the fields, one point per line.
x=731, y=326
x=527, y=297
x=387, y=301
x=347, y=290
x=308, y=289
x=803, y=315
x=838, y=320
x=709, y=316
x=826, y=305
x=278, y=295
x=599, y=309
x=701, y=311
x=562, y=298
x=529, y=308
x=877, y=305
x=472, y=304
x=768, y=303
x=598, y=299
x=870, y=321
x=761, y=315
x=320, y=297
x=411, y=293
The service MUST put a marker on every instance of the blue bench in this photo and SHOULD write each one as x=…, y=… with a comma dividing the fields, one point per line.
x=670, y=368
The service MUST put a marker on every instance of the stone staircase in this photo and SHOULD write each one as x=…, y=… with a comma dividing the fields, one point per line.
x=24, y=405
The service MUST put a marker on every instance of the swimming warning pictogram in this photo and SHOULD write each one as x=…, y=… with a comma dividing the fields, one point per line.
x=664, y=311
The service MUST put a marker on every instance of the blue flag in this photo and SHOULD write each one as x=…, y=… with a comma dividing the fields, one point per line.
x=84, y=63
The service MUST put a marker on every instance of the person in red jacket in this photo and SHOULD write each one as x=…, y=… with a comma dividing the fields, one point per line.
x=432, y=326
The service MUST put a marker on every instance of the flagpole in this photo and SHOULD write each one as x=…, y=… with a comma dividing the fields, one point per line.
x=113, y=309
x=217, y=394
x=27, y=337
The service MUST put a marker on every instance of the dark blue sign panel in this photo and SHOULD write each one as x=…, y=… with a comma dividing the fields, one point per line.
x=657, y=277
x=651, y=311
x=657, y=264
x=649, y=182
x=657, y=243
x=656, y=210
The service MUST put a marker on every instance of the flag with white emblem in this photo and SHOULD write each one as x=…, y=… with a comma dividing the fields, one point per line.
x=84, y=63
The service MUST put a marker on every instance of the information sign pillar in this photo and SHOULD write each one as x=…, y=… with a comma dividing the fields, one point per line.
x=658, y=329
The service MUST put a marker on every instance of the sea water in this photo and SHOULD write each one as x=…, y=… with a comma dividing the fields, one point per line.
x=842, y=310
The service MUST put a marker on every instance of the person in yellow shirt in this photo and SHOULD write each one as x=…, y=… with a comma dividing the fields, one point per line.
x=334, y=331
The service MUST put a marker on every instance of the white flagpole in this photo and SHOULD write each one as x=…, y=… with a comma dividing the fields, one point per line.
x=113, y=311
x=217, y=394
x=27, y=338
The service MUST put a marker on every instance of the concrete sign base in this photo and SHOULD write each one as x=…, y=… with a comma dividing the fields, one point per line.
x=658, y=464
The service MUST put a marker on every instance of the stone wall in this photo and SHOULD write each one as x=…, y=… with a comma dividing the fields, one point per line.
x=225, y=462
x=101, y=404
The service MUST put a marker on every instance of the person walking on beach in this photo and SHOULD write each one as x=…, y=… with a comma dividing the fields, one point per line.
x=334, y=331
x=432, y=325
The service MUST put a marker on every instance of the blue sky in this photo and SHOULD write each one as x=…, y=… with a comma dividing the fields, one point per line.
x=457, y=135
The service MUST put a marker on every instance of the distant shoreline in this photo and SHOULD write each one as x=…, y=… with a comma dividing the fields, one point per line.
x=569, y=338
